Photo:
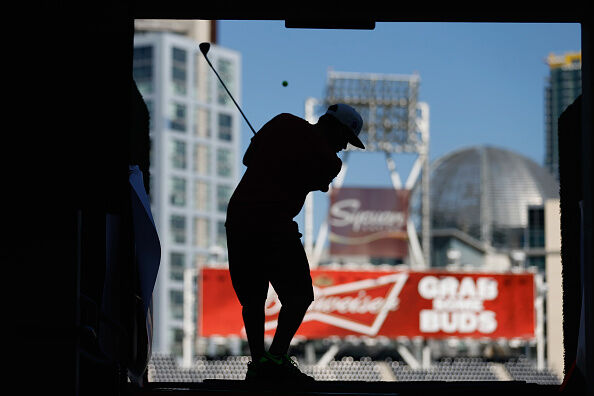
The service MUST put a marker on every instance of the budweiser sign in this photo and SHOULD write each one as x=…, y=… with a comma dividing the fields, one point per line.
x=360, y=306
x=382, y=303
x=370, y=222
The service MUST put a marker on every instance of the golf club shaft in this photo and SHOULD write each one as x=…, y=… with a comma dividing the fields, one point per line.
x=231, y=96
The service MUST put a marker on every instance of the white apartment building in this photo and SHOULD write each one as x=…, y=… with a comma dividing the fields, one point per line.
x=195, y=152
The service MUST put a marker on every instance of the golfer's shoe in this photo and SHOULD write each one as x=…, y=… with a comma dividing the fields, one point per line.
x=253, y=371
x=281, y=369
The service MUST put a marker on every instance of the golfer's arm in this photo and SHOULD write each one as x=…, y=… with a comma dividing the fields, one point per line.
x=320, y=173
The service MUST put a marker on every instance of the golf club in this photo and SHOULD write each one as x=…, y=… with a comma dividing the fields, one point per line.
x=204, y=47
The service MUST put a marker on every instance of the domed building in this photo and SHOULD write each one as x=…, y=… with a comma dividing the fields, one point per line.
x=486, y=202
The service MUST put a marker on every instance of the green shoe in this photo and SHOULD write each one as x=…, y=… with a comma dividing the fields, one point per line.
x=253, y=371
x=281, y=368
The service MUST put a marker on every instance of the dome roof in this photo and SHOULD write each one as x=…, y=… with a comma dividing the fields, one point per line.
x=485, y=192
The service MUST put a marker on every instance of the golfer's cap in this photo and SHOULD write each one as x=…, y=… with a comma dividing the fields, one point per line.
x=350, y=118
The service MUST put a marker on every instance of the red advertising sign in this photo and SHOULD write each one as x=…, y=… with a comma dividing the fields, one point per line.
x=384, y=303
x=369, y=222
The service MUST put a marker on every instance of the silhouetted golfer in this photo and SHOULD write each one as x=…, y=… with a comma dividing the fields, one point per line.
x=285, y=160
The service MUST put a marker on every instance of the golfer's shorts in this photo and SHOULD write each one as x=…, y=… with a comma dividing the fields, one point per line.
x=257, y=260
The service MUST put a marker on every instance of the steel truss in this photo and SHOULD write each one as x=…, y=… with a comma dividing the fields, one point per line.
x=394, y=122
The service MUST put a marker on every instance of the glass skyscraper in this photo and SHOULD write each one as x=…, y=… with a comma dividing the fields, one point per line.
x=564, y=85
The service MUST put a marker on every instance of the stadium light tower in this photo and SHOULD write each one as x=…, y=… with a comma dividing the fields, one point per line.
x=394, y=122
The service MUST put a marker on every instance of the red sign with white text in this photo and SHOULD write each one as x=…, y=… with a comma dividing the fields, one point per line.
x=384, y=303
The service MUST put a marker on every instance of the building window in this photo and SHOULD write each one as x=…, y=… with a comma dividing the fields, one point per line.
x=177, y=117
x=536, y=237
x=178, y=154
x=197, y=75
x=142, y=69
x=225, y=69
x=223, y=196
x=178, y=191
x=225, y=127
x=176, y=266
x=224, y=162
x=221, y=234
x=202, y=196
x=202, y=122
x=203, y=79
x=178, y=71
x=176, y=304
x=177, y=225
x=202, y=159
x=538, y=262
x=176, y=338
x=201, y=232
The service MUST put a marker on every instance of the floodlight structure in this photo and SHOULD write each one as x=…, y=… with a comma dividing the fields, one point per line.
x=394, y=122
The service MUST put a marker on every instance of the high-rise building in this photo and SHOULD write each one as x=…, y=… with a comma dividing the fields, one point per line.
x=195, y=146
x=564, y=85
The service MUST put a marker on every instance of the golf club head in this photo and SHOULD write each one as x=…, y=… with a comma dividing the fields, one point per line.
x=204, y=47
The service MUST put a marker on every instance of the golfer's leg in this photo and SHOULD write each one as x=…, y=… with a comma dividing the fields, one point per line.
x=253, y=320
x=251, y=286
x=289, y=319
x=294, y=288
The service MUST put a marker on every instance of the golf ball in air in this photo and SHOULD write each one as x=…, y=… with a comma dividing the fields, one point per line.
x=285, y=83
